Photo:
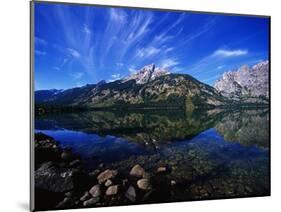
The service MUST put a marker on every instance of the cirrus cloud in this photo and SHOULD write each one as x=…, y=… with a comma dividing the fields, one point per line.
x=73, y=52
x=230, y=53
x=147, y=52
x=169, y=63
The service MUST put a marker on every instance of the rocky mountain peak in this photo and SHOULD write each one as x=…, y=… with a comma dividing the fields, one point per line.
x=245, y=82
x=147, y=73
x=102, y=82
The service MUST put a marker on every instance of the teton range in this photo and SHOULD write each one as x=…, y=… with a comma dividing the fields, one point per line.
x=153, y=87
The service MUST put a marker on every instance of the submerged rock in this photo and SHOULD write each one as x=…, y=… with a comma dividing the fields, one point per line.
x=95, y=191
x=161, y=169
x=131, y=194
x=144, y=184
x=137, y=171
x=112, y=190
x=106, y=175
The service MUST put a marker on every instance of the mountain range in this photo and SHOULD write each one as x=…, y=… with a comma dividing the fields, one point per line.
x=247, y=84
x=155, y=87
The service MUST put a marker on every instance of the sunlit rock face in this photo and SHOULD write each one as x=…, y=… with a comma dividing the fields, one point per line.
x=249, y=84
x=147, y=73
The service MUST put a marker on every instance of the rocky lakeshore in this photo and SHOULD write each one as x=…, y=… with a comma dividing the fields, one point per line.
x=191, y=171
x=61, y=182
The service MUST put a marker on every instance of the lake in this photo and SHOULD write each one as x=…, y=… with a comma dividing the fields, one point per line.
x=212, y=153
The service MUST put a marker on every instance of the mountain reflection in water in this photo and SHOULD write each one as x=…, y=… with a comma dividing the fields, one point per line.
x=214, y=153
x=248, y=127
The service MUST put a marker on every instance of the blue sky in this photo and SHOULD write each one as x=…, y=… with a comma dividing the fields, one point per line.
x=77, y=45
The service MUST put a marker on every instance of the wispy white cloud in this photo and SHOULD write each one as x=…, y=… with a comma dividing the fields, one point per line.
x=169, y=63
x=142, y=27
x=117, y=15
x=230, y=53
x=220, y=67
x=169, y=49
x=65, y=60
x=77, y=75
x=116, y=76
x=40, y=53
x=73, y=52
x=203, y=30
x=217, y=58
x=56, y=68
x=86, y=29
x=162, y=38
x=130, y=35
x=147, y=52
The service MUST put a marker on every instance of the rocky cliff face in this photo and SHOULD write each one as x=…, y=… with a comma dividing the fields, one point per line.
x=247, y=84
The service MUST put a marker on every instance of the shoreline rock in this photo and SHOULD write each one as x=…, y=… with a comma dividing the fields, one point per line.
x=144, y=184
x=112, y=190
x=95, y=191
x=137, y=171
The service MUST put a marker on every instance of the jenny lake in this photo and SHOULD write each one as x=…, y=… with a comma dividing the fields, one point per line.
x=213, y=153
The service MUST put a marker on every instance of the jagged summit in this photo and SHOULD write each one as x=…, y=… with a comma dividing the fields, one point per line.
x=245, y=82
x=147, y=73
x=102, y=82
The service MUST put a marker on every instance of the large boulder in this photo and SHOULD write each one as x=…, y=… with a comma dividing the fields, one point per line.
x=144, y=184
x=95, y=191
x=137, y=171
x=112, y=190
